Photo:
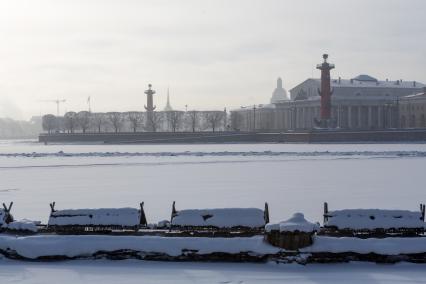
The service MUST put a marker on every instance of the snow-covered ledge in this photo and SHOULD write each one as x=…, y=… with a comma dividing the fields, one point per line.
x=292, y=234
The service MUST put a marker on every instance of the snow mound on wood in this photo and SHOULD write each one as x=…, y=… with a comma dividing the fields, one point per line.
x=3, y=216
x=297, y=223
x=359, y=219
x=220, y=218
x=22, y=225
x=102, y=217
x=386, y=246
x=83, y=245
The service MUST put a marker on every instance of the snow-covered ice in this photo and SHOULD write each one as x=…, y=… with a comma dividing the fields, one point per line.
x=291, y=178
x=289, y=183
x=132, y=272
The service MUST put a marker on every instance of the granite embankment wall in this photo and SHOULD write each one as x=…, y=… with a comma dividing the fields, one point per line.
x=239, y=137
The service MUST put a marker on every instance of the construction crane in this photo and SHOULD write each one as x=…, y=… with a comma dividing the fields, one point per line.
x=58, y=102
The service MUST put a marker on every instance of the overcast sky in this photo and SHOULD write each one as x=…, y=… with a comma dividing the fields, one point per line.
x=212, y=54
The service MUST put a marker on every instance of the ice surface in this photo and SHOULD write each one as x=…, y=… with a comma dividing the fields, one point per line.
x=220, y=218
x=296, y=223
x=358, y=219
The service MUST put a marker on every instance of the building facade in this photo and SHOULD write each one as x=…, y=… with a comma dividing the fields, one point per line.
x=412, y=110
x=360, y=103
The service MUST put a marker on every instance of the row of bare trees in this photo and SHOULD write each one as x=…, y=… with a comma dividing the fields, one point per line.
x=135, y=121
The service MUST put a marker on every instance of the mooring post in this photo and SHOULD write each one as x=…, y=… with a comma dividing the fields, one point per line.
x=325, y=212
x=52, y=207
x=266, y=213
x=143, y=220
x=174, y=212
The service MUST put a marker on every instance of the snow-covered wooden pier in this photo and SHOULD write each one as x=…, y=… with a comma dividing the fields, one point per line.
x=224, y=234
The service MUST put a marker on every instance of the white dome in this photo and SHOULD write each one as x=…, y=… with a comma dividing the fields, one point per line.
x=279, y=94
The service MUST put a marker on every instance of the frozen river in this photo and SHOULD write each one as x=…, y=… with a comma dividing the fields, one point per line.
x=290, y=177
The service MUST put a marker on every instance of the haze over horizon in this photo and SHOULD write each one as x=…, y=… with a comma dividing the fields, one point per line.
x=212, y=54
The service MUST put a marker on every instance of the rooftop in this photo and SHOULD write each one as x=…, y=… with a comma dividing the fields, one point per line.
x=367, y=81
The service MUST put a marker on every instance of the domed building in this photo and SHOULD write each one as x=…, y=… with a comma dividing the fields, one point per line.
x=279, y=94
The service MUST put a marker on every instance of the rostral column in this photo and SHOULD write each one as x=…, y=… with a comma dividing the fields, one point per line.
x=149, y=105
x=325, y=91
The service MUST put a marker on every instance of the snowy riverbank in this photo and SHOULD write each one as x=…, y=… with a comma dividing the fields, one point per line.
x=192, y=248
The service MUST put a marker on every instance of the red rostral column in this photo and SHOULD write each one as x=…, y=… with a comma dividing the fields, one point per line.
x=326, y=91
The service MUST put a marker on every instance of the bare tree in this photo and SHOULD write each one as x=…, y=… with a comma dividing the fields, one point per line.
x=49, y=123
x=174, y=119
x=213, y=119
x=236, y=120
x=154, y=120
x=193, y=119
x=70, y=121
x=98, y=120
x=136, y=119
x=116, y=120
x=83, y=120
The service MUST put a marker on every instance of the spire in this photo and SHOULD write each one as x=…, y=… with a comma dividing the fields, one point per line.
x=279, y=83
x=168, y=107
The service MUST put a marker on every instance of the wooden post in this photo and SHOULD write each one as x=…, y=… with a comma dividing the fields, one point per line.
x=10, y=206
x=325, y=212
x=52, y=207
x=8, y=217
x=289, y=240
x=142, y=220
x=174, y=212
x=422, y=210
x=266, y=213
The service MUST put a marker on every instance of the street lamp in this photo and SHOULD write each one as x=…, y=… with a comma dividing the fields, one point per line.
x=254, y=118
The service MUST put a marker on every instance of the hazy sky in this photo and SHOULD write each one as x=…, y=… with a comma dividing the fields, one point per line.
x=212, y=54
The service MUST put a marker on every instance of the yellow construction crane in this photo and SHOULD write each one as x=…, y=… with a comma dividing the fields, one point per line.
x=58, y=102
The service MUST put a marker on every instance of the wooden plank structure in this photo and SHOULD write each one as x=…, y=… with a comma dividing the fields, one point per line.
x=102, y=220
x=291, y=234
x=219, y=221
x=373, y=222
x=5, y=215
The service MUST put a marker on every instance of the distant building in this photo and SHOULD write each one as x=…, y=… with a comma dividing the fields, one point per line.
x=279, y=94
x=363, y=102
x=412, y=110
